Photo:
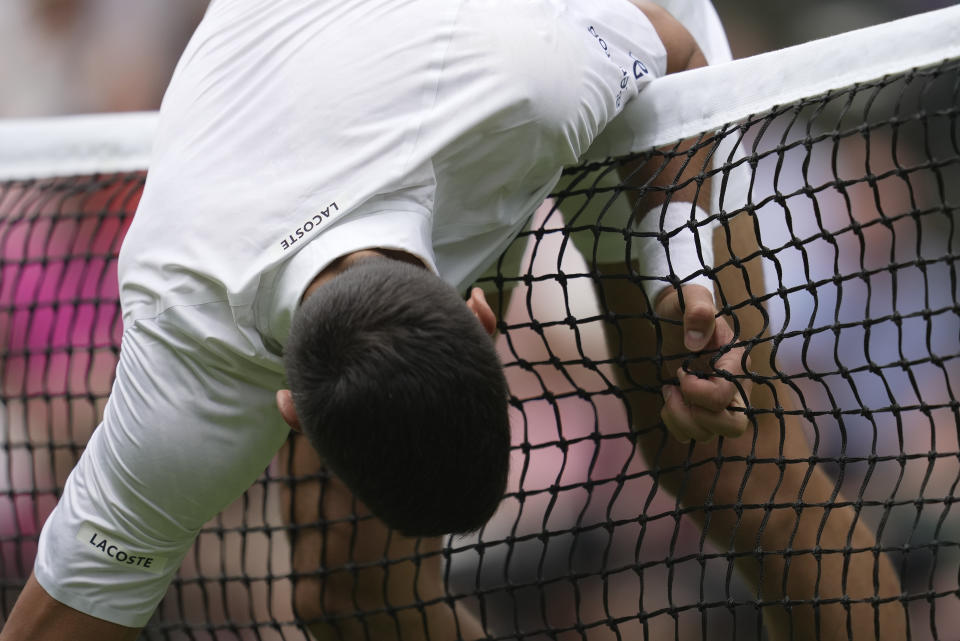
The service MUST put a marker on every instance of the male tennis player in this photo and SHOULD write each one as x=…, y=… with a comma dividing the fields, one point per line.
x=326, y=177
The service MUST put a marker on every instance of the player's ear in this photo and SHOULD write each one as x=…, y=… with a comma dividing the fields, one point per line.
x=287, y=410
x=477, y=303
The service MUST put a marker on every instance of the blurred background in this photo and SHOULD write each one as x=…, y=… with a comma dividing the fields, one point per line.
x=84, y=56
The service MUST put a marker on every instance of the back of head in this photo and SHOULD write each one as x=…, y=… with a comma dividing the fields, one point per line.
x=400, y=390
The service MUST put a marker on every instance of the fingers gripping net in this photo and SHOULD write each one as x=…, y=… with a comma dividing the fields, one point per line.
x=835, y=268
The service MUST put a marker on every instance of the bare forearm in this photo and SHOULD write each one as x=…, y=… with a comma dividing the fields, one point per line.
x=764, y=494
x=37, y=615
x=759, y=494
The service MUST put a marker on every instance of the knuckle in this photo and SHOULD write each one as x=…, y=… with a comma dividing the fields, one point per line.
x=720, y=403
x=703, y=434
x=737, y=427
x=712, y=395
x=675, y=430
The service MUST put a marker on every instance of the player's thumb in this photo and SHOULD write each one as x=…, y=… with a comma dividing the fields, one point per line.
x=698, y=317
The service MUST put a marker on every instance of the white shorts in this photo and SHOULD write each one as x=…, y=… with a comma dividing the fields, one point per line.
x=183, y=435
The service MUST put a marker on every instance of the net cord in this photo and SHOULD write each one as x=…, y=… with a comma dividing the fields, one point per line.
x=682, y=105
x=666, y=111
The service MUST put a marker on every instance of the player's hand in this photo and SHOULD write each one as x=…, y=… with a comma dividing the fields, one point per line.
x=477, y=303
x=699, y=407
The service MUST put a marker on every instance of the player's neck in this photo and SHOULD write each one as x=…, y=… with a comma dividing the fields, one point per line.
x=347, y=260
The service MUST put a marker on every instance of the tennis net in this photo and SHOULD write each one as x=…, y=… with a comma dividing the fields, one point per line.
x=835, y=179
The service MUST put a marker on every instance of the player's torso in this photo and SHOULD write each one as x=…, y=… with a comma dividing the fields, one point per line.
x=285, y=118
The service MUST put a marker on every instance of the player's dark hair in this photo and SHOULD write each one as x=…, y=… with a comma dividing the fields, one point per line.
x=399, y=388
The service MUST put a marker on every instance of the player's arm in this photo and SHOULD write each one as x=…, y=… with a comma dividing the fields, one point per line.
x=682, y=50
x=731, y=500
x=37, y=615
x=700, y=408
x=695, y=406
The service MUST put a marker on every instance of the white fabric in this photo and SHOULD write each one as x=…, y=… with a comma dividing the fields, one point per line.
x=675, y=242
x=184, y=433
x=681, y=105
x=26, y=151
x=248, y=148
x=293, y=133
x=614, y=213
x=36, y=148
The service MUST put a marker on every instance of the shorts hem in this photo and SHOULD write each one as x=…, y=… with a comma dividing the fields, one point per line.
x=119, y=616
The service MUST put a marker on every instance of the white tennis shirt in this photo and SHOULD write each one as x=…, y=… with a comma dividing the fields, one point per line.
x=295, y=132
x=292, y=133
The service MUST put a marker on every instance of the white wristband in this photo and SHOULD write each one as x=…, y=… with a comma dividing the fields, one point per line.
x=675, y=247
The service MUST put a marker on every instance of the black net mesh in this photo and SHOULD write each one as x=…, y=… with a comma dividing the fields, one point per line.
x=832, y=515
